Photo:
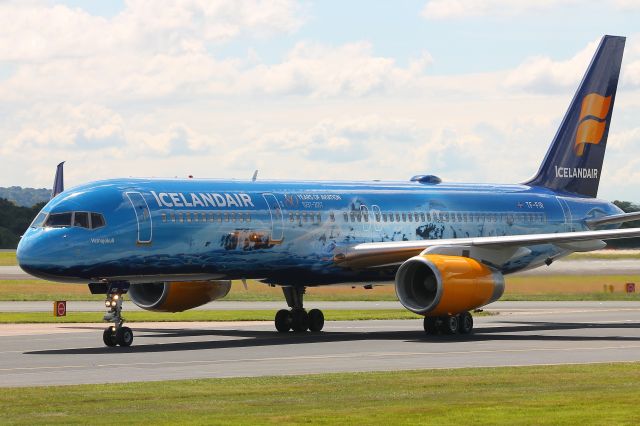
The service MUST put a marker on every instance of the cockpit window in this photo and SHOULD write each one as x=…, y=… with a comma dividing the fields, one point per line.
x=85, y=220
x=97, y=220
x=39, y=220
x=58, y=220
x=81, y=219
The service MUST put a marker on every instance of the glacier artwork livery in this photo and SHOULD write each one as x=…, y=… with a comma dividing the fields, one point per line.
x=174, y=244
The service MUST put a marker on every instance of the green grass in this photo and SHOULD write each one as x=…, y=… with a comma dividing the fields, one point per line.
x=258, y=315
x=604, y=394
x=604, y=254
x=568, y=297
x=8, y=258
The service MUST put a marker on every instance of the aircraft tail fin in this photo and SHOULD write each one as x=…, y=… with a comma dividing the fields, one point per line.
x=58, y=181
x=574, y=160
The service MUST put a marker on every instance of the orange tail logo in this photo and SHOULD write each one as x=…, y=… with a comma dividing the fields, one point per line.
x=592, y=121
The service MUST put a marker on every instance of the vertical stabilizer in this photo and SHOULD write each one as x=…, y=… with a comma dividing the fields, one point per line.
x=574, y=160
x=58, y=181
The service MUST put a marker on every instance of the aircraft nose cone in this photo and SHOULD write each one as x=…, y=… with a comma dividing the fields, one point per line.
x=23, y=252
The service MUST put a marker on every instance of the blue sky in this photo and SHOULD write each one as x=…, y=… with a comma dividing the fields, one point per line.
x=471, y=90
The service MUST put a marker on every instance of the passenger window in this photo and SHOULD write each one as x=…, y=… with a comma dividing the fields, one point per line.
x=391, y=217
x=164, y=217
x=319, y=217
x=290, y=216
x=180, y=217
x=397, y=217
x=58, y=220
x=226, y=217
x=248, y=219
x=377, y=217
x=312, y=217
x=428, y=217
x=353, y=216
x=422, y=216
x=97, y=220
x=304, y=217
x=195, y=217
x=332, y=217
x=384, y=217
x=346, y=216
x=410, y=217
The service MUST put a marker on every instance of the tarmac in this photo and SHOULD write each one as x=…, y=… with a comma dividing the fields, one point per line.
x=521, y=333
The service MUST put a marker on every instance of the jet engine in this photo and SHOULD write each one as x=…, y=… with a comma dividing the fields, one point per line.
x=177, y=296
x=446, y=285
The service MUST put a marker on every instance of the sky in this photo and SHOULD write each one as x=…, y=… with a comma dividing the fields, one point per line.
x=469, y=90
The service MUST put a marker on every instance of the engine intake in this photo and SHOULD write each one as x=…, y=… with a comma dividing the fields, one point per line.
x=446, y=285
x=177, y=296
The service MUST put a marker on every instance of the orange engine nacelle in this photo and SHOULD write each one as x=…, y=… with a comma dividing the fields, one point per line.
x=177, y=296
x=446, y=285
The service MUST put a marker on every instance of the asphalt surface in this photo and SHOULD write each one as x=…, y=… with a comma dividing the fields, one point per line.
x=524, y=333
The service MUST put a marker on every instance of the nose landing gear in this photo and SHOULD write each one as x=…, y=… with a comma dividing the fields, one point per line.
x=116, y=334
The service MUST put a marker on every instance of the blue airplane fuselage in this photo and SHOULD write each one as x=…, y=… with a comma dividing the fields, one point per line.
x=281, y=232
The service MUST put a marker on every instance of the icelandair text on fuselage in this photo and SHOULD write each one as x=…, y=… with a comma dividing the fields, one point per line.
x=202, y=199
x=576, y=172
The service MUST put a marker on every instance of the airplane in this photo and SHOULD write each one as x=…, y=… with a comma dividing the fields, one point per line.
x=175, y=244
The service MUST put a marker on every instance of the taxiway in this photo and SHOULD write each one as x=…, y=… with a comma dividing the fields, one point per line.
x=521, y=334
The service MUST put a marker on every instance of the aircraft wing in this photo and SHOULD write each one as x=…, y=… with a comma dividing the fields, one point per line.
x=367, y=255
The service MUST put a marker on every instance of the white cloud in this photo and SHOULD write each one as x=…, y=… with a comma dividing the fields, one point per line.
x=454, y=9
x=323, y=71
x=543, y=75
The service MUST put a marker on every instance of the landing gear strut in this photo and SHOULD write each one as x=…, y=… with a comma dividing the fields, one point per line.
x=116, y=334
x=298, y=319
x=449, y=324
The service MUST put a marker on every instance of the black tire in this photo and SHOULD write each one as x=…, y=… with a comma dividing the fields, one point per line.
x=299, y=320
x=124, y=336
x=108, y=337
x=465, y=323
x=316, y=320
x=450, y=324
x=430, y=325
x=283, y=321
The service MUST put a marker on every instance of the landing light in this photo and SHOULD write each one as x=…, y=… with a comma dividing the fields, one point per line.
x=113, y=303
x=116, y=297
x=106, y=303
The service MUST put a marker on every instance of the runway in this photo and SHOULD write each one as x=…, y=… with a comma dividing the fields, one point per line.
x=521, y=334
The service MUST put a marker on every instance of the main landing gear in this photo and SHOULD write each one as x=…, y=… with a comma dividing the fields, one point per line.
x=449, y=324
x=298, y=319
x=116, y=334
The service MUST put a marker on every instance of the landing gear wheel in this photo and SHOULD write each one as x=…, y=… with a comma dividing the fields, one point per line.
x=431, y=325
x=283, y=321
x=450, y=324
x=124, y=336
x=465, y=323
x=299, y=320
x=108, y=337
x=316, y=320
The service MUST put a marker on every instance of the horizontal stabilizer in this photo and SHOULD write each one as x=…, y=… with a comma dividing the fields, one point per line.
x=616, y=218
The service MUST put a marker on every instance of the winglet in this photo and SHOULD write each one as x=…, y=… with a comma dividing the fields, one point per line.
x=58, y=181
x=255, y=176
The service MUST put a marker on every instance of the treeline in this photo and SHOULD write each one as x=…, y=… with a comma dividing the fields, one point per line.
x=14, y=221
x=25, y=197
